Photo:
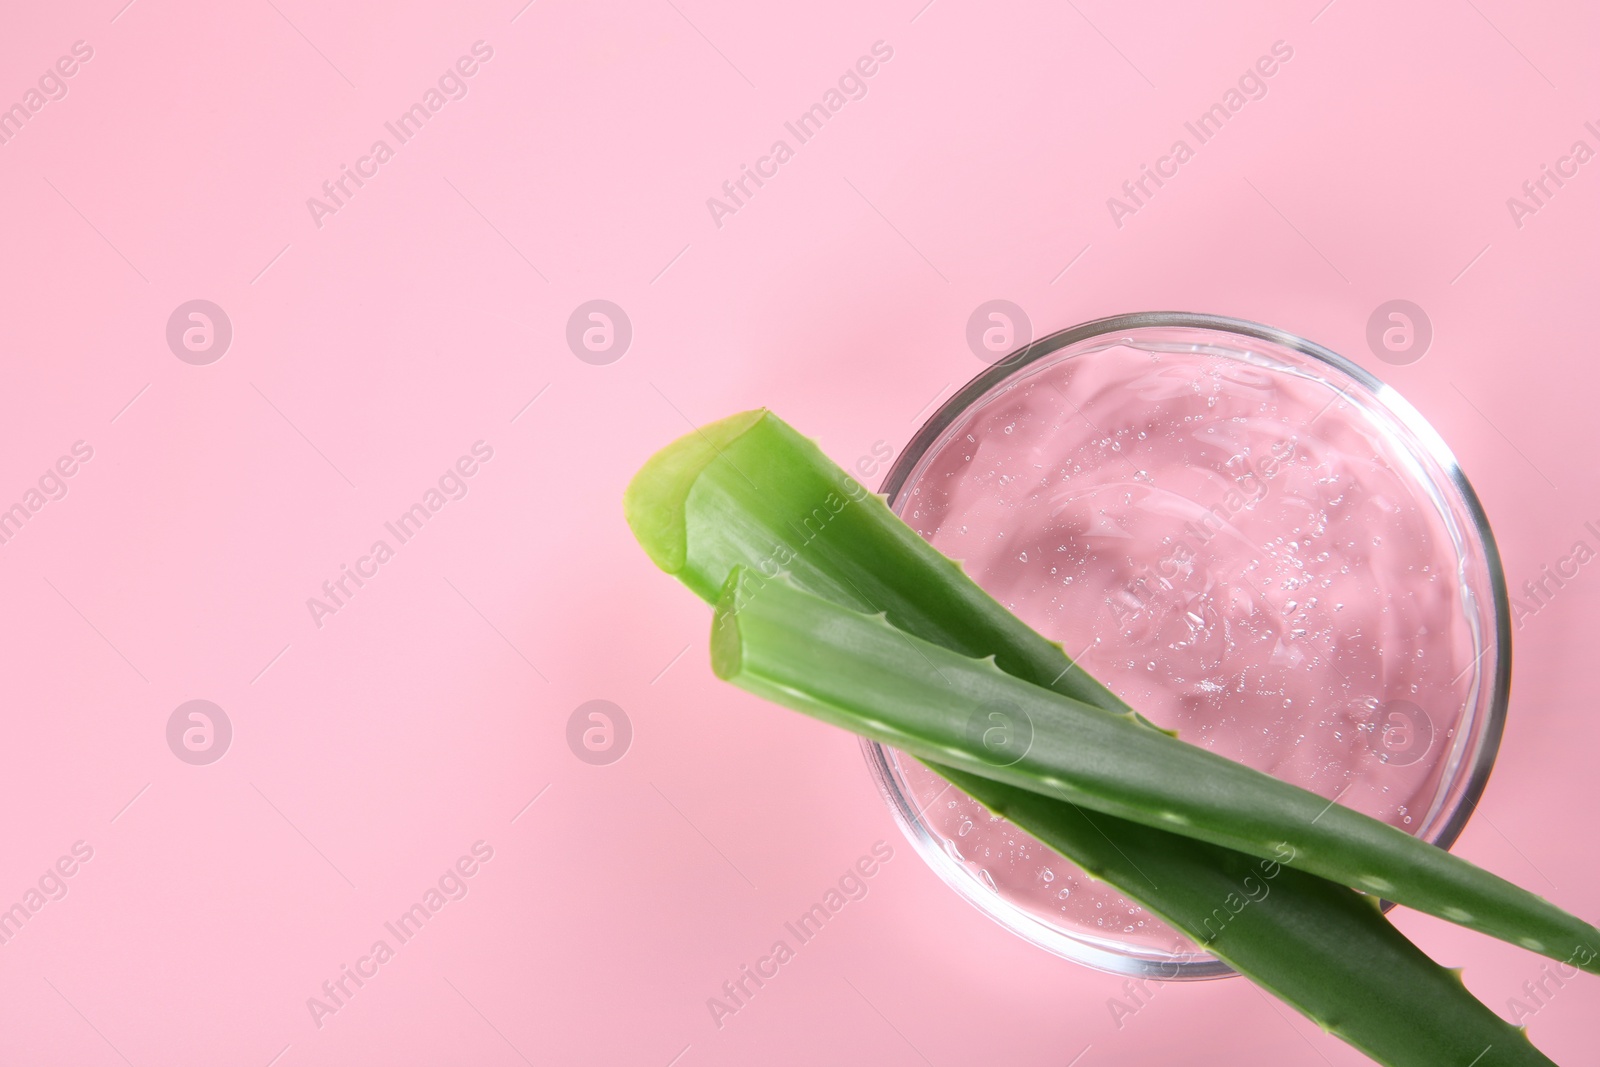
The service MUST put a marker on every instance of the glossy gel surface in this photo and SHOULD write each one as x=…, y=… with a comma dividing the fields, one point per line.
x=1247, y=547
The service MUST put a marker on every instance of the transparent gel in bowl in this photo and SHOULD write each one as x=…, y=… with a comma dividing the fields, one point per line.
x=1252, y=542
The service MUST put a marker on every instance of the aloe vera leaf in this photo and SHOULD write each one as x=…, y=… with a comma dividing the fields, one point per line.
x=860, y=672
x=751, y=490
x=756, y=515
x=1321, y=948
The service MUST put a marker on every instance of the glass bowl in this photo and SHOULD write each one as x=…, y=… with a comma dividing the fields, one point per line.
x=1252, y=541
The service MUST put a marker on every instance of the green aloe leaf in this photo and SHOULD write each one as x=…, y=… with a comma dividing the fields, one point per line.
x=862, y=673
x=751, y=491
x=1321, y=948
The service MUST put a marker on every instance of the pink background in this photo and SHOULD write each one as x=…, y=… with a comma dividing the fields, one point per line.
x=372, y=351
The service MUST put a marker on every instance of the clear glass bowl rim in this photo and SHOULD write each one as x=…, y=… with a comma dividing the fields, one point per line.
x=1479, y=765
